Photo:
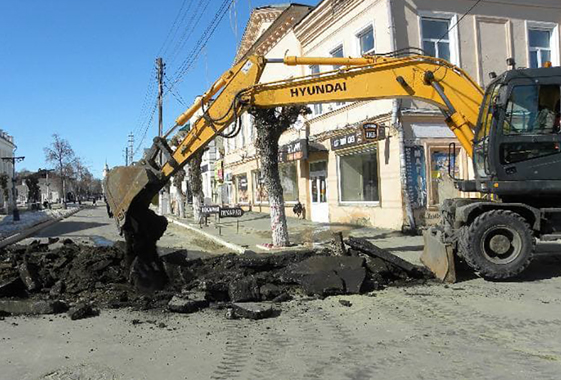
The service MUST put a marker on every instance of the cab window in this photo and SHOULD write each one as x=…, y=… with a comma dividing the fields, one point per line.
x=532, y=109
x=487, y=113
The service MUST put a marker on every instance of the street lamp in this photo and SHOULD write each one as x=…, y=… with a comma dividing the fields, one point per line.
x=13, y=160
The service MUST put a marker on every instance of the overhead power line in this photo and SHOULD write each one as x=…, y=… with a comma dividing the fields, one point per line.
x=189, y=31
x=202, y=42
x=174, y=28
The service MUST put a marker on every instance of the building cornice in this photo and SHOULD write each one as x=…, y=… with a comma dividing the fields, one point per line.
x=282, y=21
x=325, y=14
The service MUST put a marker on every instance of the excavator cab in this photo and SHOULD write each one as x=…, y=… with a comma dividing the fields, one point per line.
x=517, y=140
x=517, y=167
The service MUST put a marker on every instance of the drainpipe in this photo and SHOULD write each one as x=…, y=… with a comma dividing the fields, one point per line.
x=396, y=123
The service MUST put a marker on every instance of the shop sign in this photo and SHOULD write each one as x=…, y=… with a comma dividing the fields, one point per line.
x=223, y=212
x=210, y=209
x=346, y=141
x=230, y=212
x=296, y=150
x=373, y=131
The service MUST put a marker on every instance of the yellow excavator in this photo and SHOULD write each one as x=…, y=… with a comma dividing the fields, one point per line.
x=506, y=136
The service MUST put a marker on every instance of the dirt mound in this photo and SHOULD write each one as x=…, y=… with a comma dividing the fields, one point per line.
x=97, y=276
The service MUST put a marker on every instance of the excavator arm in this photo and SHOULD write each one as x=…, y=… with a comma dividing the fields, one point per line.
x=432, y=80
x=130, y=189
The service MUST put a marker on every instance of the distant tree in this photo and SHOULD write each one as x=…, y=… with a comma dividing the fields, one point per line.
x=270, y=124
x=33, y=192
x=61, y=155
x=96, y=186
x=4, y=186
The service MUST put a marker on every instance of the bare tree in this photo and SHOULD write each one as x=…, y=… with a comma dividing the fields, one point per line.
x=82, y=177
x=178, y=178
x=196, y=183
x=61, y=155
x=270, y=124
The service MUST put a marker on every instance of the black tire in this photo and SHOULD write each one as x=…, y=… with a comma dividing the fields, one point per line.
x=499, y=244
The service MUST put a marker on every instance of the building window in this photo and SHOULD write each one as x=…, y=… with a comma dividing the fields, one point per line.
x=539, y=41
x=435, y=37
x=366, y=40
x=289, y=181
x=358, y=179
x=242, y=193
x=318, y=109
x=337, y=53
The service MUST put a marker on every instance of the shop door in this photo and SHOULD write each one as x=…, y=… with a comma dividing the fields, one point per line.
x=318, y=190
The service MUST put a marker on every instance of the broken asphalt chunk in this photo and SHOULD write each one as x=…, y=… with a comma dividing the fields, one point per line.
x=32, y=307
x=29, y=275
x=244, y=290
x=82, y=311
x=13, y=287
x=181, y=304
x=327, y=275
x=253, y=310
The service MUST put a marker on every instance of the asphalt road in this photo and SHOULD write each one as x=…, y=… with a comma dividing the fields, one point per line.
x=92, y=226
x=470, y=330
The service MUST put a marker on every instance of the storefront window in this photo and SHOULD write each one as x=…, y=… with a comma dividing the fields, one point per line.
x=289, y=181
x=242, y=193
x=259, y=190
x=359, y=177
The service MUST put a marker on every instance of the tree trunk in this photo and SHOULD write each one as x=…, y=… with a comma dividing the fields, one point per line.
x=196, y=182
x=270, y=124
x=178, y=179
x=270, y=168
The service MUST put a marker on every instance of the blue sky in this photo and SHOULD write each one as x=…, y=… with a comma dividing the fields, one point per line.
x=82, y=68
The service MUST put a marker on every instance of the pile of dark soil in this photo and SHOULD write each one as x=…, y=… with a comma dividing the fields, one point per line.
x=97, y=276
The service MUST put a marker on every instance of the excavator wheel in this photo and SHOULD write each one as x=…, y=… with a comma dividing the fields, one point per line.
x=499, y=244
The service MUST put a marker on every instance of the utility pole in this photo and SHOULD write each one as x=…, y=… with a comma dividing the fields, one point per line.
x=126, y=156
x=131, y=148
x=160, y=67
x=13, y=160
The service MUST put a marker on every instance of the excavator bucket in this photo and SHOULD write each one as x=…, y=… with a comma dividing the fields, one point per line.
x=127, y=184
x=438, y=255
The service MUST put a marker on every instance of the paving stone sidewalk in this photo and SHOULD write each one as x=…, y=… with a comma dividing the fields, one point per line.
x=253, y=230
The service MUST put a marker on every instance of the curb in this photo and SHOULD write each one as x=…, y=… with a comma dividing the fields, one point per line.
x=25, y=233
x=227, y=244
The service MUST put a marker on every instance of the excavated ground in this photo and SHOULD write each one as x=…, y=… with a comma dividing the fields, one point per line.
x=50, y=277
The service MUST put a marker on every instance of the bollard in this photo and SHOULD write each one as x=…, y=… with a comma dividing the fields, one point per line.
x=237, y=226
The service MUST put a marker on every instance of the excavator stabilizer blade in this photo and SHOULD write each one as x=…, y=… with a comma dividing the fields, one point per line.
x=127, y=184
x=438, y=256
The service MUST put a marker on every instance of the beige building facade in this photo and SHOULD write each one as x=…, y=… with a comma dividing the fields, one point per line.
x=399, y=179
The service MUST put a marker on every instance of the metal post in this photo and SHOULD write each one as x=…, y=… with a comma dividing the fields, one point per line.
x=13, y=160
